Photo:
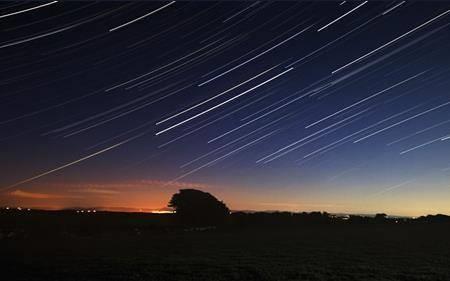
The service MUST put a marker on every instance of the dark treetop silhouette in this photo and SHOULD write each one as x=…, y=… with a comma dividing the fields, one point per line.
x=195, y=207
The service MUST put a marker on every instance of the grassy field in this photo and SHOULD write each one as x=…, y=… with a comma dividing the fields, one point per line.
x=314, y=252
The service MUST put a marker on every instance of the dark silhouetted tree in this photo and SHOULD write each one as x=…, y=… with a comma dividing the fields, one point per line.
x=381, y=217
x=197, y=208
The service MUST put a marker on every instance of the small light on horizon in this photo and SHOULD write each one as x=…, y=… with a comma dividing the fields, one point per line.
x=162, y=212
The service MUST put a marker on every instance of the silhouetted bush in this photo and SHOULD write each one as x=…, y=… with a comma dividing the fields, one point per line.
x=280, y=219
x=197, y=208
x=439, y=218
x=356, y=219
x=381, y=217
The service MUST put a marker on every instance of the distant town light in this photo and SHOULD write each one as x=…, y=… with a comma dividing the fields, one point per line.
x=162, y=212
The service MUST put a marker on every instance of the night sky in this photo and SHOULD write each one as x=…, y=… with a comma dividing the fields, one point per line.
x=333, y=106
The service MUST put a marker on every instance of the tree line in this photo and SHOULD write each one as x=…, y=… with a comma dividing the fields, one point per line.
x=197, y=208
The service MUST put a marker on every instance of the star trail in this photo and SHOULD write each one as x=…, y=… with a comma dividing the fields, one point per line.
x=341, y=104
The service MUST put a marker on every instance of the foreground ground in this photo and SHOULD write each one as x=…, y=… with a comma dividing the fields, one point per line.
x=314, y=252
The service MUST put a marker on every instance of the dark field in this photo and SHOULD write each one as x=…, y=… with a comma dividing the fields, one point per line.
x=147, y=247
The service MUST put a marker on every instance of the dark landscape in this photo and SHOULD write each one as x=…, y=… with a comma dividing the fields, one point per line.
x=65, y=245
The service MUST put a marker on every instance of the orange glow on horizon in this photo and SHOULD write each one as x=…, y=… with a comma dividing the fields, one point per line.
x=154, y=195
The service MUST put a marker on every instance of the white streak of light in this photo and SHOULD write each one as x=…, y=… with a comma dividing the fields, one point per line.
x=362, y=130
x=255, y=119
x=38, y=36
x=72, y=163
x=255, y=57
x=141, y=17
x=418, y=132
x=394, y=187
x=424, y=144
x=27, y=10
x=156, y=69
x=233, y=141
x=401, y=122
x=284, y=151
x=363, y=100
x=32, y=38
x=390, y=42
x=216, y=96
x=391, y=9
x=334, y=21
x=224, y=156
x=240, y=12
x=223, y=103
